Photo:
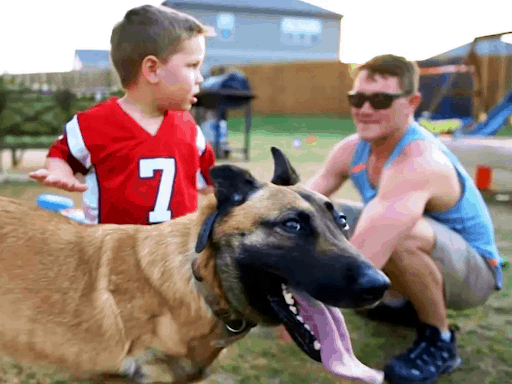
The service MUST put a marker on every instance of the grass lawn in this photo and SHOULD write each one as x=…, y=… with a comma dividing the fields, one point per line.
x=485, y=333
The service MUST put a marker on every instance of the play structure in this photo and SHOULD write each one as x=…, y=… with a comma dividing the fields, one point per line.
x=468, y=90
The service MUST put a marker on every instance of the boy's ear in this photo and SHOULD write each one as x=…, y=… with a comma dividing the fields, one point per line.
x=150, y=69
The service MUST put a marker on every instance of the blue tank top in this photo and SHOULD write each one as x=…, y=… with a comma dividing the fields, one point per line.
x=469, y=216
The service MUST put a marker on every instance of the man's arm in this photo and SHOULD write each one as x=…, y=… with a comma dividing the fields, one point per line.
x=404, y=190
x=336, y=169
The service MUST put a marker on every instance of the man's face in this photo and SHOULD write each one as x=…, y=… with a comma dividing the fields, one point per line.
x=181, y=75
x=373, y=124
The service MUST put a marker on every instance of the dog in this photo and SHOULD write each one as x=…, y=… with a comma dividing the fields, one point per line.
x=107, y=301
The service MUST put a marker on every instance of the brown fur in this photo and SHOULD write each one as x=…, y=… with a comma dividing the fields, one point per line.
x=85, y=297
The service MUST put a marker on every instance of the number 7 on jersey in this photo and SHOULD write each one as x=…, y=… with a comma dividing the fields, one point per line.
x=147, y=168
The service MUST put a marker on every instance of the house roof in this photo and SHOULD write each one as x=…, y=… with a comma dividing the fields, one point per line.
x=287, y=7
x=91, y=58
x=483, y=48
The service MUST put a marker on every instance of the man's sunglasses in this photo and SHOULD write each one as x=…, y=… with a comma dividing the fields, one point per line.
x=379, y=100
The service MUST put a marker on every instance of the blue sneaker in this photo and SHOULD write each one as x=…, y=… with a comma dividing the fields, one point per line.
x=429, y=358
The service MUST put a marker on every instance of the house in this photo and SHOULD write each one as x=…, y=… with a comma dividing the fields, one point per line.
x=90, y=59
x=264, y=31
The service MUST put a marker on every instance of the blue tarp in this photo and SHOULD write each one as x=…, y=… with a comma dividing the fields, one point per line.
x=456, y=102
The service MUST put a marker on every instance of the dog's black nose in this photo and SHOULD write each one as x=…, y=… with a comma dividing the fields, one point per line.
x=370, y=287
x=355, y=284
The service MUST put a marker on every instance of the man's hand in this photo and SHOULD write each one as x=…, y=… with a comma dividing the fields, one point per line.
x=58, y=180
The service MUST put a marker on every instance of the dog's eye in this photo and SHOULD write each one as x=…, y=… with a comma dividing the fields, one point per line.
x=292, y=225
x=341, y=219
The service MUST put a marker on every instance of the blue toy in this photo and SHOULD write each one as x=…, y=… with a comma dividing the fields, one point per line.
x=63, y=205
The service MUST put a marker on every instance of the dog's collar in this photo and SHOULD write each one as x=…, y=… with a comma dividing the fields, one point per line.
x=234, y=324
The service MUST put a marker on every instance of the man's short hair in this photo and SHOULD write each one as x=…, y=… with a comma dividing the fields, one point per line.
x=406, y=71
x=150, y=30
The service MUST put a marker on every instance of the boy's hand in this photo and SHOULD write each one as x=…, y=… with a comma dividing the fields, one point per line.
x=57, y=180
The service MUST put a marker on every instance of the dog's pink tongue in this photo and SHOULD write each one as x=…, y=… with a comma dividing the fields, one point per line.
x=329, y=328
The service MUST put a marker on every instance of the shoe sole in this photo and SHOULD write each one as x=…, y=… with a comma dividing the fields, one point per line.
x=452, y=367
x=449, y=369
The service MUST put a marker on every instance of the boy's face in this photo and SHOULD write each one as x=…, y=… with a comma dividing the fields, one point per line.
x=180, y=76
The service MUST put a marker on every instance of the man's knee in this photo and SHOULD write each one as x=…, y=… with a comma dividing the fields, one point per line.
x=419, y=241
x=412, y=257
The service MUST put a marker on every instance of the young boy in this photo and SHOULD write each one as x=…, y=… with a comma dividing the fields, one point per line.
x=143, y=155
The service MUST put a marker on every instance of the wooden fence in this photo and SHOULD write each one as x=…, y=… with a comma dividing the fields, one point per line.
x=300, y=88
x=309, y=88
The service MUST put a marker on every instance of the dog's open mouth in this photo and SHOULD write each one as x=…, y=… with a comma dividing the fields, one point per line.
x=286, y=308
x=320, y=331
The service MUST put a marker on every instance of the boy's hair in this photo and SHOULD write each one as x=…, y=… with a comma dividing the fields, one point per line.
x=406, y=71
x=150, y=30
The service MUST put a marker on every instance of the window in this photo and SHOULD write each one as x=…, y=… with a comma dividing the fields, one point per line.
x=225, y=26
x=305, y=32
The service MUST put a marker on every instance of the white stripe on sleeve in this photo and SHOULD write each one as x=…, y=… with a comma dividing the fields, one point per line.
x=201, y=182
x=90, y=198
x=76, y=143
x=200, y=141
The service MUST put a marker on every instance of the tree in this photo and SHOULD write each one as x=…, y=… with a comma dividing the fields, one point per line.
x=3, y=94
x=64, y=99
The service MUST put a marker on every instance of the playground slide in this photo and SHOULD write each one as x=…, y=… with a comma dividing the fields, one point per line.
x=496, y=118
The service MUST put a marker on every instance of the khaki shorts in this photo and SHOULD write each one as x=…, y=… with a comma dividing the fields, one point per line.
x=468, y=278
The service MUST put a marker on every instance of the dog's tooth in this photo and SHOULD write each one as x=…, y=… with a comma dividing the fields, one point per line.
x=307, y=327
x=293, y=309
x=316, y=345
x=283, y=287
x=300, y=319
x=288, y=298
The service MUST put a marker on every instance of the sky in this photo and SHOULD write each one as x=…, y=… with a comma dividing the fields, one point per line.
x=42, y=36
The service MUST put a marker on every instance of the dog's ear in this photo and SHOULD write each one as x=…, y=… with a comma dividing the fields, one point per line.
x=233, y=185
x=284, y=173
x=205, y=232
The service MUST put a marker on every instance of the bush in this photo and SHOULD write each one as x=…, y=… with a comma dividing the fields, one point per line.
x=3, y=95
x=119, y=93
x=64, y=99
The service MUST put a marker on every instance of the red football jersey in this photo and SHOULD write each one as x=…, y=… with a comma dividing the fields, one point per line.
x=134, y=177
